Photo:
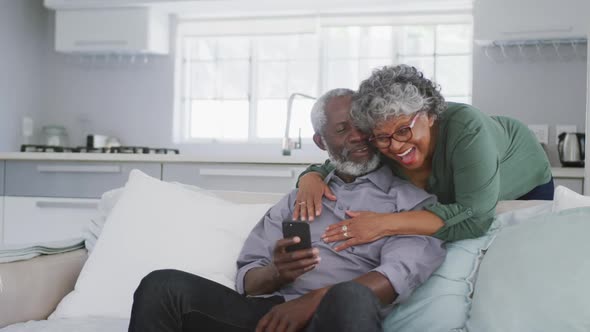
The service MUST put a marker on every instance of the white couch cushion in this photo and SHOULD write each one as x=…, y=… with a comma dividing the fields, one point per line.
x=158, y=225
x=110, y=198
x=534, y=277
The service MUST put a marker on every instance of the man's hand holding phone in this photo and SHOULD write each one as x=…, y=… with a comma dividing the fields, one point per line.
x=289, y=265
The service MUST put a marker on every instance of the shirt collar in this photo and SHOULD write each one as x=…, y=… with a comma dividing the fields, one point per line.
x=381, y=177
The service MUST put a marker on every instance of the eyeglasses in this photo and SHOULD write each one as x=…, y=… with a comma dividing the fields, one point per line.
x=401, y=135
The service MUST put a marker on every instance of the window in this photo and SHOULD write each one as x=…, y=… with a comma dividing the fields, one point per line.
x=236, y=87
x=441, y=52
x=285, y=65
x=218, y=71
x=248, y=80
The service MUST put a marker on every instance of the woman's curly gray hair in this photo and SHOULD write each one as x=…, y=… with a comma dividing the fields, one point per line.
x=395, y=90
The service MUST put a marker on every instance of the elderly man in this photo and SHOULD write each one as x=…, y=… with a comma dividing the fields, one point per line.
x=317, y=289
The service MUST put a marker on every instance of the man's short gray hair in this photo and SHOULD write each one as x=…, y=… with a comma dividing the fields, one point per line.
x=318, y=111
x=395, y=90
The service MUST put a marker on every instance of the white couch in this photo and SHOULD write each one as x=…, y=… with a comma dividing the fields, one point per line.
x=30, y=290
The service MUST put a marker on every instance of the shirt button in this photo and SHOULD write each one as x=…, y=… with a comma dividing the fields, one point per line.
x=469, y=213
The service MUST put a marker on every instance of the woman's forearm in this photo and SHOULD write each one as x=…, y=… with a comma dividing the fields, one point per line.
x=412, y=223
x=366, y=227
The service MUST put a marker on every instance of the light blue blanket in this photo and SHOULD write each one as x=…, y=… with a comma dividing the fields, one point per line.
x=443, y=302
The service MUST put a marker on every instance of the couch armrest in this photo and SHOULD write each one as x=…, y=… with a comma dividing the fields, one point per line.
x=31, y=289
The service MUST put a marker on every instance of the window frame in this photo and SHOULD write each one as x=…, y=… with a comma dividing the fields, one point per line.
x=182, y=108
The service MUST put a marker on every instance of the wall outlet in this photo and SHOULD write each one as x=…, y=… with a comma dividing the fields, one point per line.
x=541, y=132
x=564, y=129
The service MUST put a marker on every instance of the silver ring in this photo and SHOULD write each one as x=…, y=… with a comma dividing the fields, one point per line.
x=344, y=228
x=301, y=203
x=345, y=235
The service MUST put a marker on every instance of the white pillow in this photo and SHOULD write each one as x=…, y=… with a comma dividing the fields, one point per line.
x=108, y=200
x=565, y=198
x=158, y=225
x=93, y=229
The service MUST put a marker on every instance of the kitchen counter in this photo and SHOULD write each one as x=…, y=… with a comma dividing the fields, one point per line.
x=158, y=158
x=558, y=172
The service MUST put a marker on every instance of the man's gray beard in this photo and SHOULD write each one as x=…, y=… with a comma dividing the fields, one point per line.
x=350, y=167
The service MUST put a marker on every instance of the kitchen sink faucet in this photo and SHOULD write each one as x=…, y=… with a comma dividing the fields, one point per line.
x=289, y=144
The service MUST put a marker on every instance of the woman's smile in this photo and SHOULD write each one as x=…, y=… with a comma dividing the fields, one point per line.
x=408, y=157
x=410, y=154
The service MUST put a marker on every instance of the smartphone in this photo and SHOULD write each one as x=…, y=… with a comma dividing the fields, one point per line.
x=300, y=229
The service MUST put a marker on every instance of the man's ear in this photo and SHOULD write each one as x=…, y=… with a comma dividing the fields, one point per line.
x=317, y=139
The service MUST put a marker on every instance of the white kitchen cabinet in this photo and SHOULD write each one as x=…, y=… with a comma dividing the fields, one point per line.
x=70, y=179
x=2, y=162
x=54, y=200
x=576, y=185
x=570, y=177
x=43, y=219
x=1, y=220
x=240, y=177
x=501, y=20
x=48, y=200
x=119, y=30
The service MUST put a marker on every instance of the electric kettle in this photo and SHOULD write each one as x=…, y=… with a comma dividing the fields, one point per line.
x=571, y=149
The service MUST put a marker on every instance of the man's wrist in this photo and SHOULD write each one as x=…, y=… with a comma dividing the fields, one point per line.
x=274, y=276
x=262, y=280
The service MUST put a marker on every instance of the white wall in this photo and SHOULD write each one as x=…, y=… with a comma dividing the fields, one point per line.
x=537, y=89
x=135, y=102
x=21, y=72
x=132, y=101
x=545, y=92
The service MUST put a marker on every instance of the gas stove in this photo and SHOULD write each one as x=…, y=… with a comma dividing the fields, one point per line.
x=84, y=149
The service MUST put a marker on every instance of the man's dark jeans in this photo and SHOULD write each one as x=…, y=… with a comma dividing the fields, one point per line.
x=171, y=300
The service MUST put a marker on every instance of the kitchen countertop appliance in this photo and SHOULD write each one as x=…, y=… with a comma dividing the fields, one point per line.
x=55, y=135
x=94, y=141
x=571, y=149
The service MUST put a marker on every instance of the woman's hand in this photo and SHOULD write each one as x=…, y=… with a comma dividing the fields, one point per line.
x=308, y=203
x=363, y=227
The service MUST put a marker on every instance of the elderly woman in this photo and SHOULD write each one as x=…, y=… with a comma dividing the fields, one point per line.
x=468, y=159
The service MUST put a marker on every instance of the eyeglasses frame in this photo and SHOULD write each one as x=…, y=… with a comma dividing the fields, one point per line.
x=373, y=138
